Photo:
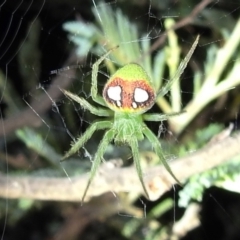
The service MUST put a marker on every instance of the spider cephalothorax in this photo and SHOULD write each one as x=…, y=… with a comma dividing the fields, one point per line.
x=127, y=95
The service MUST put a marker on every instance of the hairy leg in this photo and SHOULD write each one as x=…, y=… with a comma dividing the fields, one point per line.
x=165, y=89
x=85, y=137
x=156, y=117
x=94, y=90
x=86, y=105
x=135, y=151
x=108, y=137
x=157, y=148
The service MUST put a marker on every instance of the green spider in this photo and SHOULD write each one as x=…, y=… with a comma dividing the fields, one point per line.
x=127, y=95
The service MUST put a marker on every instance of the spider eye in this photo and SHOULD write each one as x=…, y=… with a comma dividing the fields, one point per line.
x=129, y=93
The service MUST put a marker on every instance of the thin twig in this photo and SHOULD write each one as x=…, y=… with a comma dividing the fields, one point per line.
x=183, y=22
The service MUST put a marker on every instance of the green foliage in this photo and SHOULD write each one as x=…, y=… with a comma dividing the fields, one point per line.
x=225, y=176
x=216, y=79
x=26, y=57
x=200, y=138
x=82, y=35
x=37, y=143
x=16, y=209
x=34, y=141
x=117, y=32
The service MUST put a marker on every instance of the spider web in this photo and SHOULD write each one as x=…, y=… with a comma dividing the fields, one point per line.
x=30, y=98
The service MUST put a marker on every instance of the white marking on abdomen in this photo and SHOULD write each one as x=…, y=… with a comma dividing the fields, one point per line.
x=140, y=95
x=119, y=103
x=114, y=93
x=134, y=105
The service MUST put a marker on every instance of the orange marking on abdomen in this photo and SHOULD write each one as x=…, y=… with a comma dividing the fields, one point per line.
x=127, y=93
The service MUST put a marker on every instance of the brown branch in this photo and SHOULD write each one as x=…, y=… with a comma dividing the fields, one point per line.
x=183, y=22
x=27, y=117
x=120, y=179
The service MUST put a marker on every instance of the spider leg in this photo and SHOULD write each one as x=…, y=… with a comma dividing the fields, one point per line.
x=85, y=137
x=156, y=117
x=165, y=89
x=86, y=105
x=94, y=90
x=157, y=147
x=134, y=146
x=107, y=138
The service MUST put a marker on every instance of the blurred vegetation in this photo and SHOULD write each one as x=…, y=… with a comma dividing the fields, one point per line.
x=208, y=91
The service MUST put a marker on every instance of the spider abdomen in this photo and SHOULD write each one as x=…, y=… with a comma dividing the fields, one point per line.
x=129, y=92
